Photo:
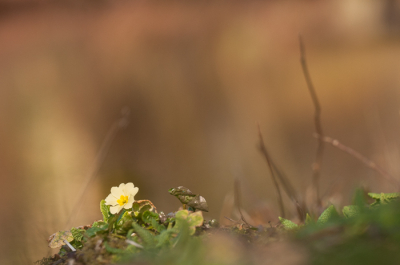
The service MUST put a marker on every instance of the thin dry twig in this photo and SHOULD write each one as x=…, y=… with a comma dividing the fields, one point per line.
x=264, y=151
x=317, y=121
x=234, y=221
x=289, y=190
x=367, y=162
x=238, y=200
x=119, y=124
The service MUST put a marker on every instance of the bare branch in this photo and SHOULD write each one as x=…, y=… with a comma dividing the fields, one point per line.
x=367, y=162
x=264, y=151
x=317, y=121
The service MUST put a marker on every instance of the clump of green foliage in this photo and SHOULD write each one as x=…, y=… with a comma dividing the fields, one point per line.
x=363, y=233
x=135, y=233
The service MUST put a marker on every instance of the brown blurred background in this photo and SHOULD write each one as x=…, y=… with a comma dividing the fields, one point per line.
x=196, y=76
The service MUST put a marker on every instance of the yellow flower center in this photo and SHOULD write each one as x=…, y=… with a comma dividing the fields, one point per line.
x=122, y=200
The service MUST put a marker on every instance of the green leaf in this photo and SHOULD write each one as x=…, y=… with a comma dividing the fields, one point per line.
x=164, y=238
x=159, y=228
x=111, y=222
x=329, y=214
x=124, y=224
x=378, y=196
x=105, y=210
x=135, y=207
x=129, y=233
x=114, y=219
x=193, y=220
x=147, y=237
x=76, y=244
x=142, y=210
x=124, y=221
x=77, y=233
x=121, y=215
x=383, y=198
x=148, y=216
x=98, y=223
x=94, y=230
x=359, y=198
x=142, y=206
x=287, y=224
x=351, y=211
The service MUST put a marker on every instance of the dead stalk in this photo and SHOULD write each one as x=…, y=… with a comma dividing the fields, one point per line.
x=264, y=151
x=284, y=181
x=317, y=121
x=367, y=162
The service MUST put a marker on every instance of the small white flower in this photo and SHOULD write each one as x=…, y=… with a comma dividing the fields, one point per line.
x=121, y=197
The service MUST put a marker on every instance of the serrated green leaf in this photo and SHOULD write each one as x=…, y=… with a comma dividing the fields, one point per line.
x=383, y=198
x=159, y=228
x=98, y=223
x=147, y=237
x=287, y=224
x=351, y=211
x=77, y=233
x=164, y=238
x=125, y=224
x=94, y=230
x=105, y=210
x=329, y=214
x=378, y=196
x=148, y=216
x=76, y=244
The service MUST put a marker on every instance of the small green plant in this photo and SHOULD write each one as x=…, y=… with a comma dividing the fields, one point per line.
x=129, y=228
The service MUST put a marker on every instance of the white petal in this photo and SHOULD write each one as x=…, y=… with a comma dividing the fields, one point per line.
x=130, y=189
x=122, y=186
x=135, y=191
x=117, y=192
x=111, y=200
x=115, y=209
x=129, y=204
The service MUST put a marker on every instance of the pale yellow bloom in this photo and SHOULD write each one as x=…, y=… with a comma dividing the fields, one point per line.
x=121, y=197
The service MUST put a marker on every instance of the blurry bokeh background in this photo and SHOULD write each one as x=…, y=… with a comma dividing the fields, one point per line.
x=196, y=77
